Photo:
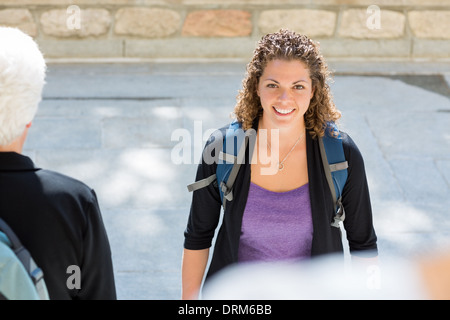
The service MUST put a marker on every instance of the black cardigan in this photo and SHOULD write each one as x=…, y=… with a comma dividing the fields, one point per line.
x=206, y=207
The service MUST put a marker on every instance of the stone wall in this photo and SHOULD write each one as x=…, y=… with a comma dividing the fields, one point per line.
x=388, y=29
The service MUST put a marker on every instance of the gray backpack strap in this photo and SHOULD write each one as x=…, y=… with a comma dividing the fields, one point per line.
x=327, y=170
x=227, y=157
x=37, y=275
x=201, y=183
x=339, y=166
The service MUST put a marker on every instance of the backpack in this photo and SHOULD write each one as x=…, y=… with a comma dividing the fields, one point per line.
x=332, y=154
x=335, y=167
x=20, y=277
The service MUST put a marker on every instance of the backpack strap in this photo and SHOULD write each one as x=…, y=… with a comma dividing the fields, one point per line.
x=231, y=157
x=335, y=167
x=226, y=184
x=35, y=273
x=201, y=183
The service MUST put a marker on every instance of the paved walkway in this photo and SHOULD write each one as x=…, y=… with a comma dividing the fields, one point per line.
x=111, y=126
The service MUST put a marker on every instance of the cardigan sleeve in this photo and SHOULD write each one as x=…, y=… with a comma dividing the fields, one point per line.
x=206, y=204
x=358, y=221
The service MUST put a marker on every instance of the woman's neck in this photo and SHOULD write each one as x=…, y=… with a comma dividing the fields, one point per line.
x=287, y=135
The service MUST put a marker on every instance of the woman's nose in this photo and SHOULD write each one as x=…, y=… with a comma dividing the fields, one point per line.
x=285, y=95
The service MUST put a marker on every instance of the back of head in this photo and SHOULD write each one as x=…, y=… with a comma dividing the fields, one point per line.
x=22, y=78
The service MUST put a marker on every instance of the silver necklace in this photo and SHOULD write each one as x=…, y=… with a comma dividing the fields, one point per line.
x=281, y=164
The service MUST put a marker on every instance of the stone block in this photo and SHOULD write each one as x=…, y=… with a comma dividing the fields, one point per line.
x=353, y=48
x=85, y=2
x=361, y=2
x=430, y=48
x=75, y=23
x=75, y=48
x=431, y=24
x=361, y=24
x=313, y=23
x=248, y=2
x=434, y=3
x=19, y=18
x=147, y=22
x=190, y=48
x=218, y=23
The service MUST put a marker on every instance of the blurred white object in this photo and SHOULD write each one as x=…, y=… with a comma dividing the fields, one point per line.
x=327, y=278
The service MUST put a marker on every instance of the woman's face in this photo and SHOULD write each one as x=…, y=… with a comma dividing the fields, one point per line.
x=285, y=89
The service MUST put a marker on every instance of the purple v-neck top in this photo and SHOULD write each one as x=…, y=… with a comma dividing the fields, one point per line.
x=276, y=226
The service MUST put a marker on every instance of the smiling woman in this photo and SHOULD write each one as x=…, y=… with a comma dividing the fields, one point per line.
x=285, y=87
x=282, y=47
x=285, y=215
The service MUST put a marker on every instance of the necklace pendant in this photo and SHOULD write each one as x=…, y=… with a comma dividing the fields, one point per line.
x=280, y=167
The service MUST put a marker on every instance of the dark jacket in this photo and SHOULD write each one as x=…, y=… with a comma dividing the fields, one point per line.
x=58, y=220
x=206, y=204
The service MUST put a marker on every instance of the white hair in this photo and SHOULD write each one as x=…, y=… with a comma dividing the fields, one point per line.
x=22, y=78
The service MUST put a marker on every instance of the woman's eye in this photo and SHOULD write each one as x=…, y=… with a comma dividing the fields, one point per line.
x=271, y=85
x=299, y=87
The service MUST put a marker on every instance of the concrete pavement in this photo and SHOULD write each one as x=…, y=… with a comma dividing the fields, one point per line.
x=111, y=126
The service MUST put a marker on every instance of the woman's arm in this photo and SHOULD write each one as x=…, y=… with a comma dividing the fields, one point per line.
x=358, y=221
x=192, y=272
x=202, y=222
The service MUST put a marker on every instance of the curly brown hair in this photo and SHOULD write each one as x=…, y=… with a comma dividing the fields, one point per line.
x=287, y=45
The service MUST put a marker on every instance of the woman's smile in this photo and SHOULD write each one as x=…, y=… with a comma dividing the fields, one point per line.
x=283, y=111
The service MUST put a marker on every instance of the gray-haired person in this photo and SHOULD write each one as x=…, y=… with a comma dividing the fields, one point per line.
x=57, y=218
